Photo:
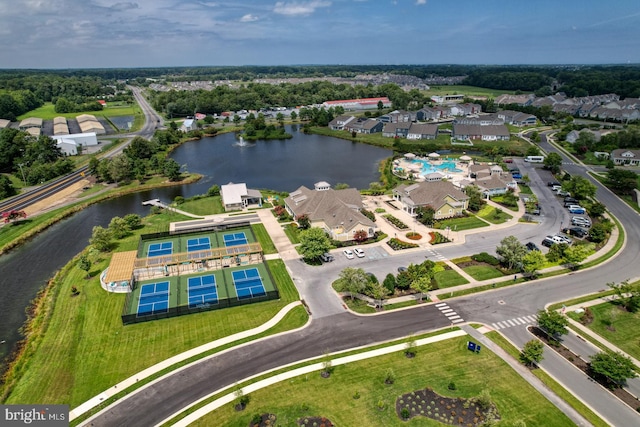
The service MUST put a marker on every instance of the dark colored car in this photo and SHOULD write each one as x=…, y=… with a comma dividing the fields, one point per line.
x=552, y=183
x=532, y=246
x=508, y=160
x=575, y=231
x=548, y=242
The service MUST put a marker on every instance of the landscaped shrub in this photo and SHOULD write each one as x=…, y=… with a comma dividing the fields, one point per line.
x=437, y=238
x=368, y=214
x=486, y=258
x=412, y=235
x=397, y=244
x=395, y=222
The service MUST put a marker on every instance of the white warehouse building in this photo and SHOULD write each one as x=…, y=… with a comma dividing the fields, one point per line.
x=69, y=144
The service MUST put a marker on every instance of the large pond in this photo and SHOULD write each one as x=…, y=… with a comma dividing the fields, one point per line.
x=278, y=165
x=281, y=165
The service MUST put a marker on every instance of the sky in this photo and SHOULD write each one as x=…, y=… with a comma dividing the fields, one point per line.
x=158, y=33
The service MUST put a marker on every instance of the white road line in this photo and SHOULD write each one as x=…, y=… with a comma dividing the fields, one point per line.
x=441, y=304
x=454, y=317
x=457, y=321
x=518, y=321
x=446, y=310
x=510, y=322
x=495, y=326
x=502, y=325
x=531, y=318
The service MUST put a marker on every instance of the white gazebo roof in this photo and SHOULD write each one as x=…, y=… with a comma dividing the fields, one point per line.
x=409, y=155
x=465, y=158
x=434, y=155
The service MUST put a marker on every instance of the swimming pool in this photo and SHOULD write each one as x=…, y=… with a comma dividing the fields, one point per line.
x=428, y=167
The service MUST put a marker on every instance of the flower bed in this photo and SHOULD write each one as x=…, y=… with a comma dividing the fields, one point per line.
x=412, y=235
x=395, y=222
x=437, y=238
x=397, y=244
x=459, y=412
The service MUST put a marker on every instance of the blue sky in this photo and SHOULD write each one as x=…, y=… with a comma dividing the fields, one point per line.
x=144, y=33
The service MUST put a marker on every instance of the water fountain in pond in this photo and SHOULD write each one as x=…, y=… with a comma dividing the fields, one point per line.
x=243, y=143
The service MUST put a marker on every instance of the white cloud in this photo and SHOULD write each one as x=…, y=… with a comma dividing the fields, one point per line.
x=419, y=2
x=248, y=18
x=299, y=9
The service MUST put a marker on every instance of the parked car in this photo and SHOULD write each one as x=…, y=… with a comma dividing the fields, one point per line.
x=564, y=239
x=581, y=221
x=532, y=246
x=570, y=202
x=508, y=160
x=553, y=184
x=402, y=269
x=563, y=193
x=359, y=252
x=534, y=211
x=575, y=231
x=516, y=175
x=348, y=253
x=578, y=210
x=548, y=242
x=556, y=187
x=326, y=257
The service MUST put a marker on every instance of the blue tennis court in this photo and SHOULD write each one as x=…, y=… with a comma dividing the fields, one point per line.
x=154, y=299
x=202, y=291
x=235, y=239
x=159, y=249
x=198, y=244
x=248, y=283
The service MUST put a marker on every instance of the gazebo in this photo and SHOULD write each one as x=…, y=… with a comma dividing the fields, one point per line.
x=465, y=158
x=434, y=155
x=409, y=156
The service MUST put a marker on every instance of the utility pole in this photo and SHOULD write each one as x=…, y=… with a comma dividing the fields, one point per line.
x=22, y=171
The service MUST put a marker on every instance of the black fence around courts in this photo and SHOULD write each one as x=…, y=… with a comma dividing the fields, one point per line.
x=131, y=318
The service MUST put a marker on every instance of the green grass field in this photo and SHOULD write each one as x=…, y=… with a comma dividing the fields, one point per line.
x=47, y=112
x=86, y=349
x=482, y=272
x=203, y=206
x=494, y=216
x=449, y=278
x=465, y=90
x=617, y=326
x=459, y=224
x=435, y=366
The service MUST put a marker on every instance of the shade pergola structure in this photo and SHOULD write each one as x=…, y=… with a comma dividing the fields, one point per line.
x=434, y=155
x=121, y=267
x=409, y=156
x=465, y=158
x=215, y=258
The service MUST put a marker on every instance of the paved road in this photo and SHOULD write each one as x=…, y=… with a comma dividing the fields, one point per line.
x=332, y=329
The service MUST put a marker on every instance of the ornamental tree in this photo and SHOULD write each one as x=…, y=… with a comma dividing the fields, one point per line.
x=552, y=322
x=615, y=366
x=531, y=353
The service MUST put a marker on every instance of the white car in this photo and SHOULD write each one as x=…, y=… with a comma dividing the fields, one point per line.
x=348, y=253
x=359, y=252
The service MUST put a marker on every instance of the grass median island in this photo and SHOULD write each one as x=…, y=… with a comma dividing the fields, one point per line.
x=460, y=224
x=435, y=365
x=78, y=346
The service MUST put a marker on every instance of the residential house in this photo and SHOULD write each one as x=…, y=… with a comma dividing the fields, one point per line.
x=363, y=125
x=482, y=120
x=495, y=184
x=436, y=113
x=398, y=117
x=335, y=211
x=573, y=136
x=445, y=198
x=447, y=99
x=626, y=157
x=522, y=100
x=517, y=118
x=31, y=122
x=359, y=104
x=485, y=133
x=339, y=122
x=238, y=196
x=423, y=131
x=396, y=130
x=4, y=123
x=188, y=125
x=465, y=109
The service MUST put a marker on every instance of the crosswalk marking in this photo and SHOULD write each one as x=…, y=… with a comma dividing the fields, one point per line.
x=449, y=312
x=516, y=321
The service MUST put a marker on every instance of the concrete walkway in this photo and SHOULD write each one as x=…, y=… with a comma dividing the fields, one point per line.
x=158, y=203
x=152, y=370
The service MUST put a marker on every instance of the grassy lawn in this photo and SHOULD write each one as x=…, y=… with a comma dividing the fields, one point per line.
x=203, y=206
x=465, y=90
x=435, y=366
x=86, y=349
x=292, y=232
x=449, y=278
x=47, y=112
x=459, y=224
x=525, y=189
x=264, y=239
x=500, y=201
x=482, y=272
x=493, y=215
x=550, y=382
x=618, y=327
x=359, y=306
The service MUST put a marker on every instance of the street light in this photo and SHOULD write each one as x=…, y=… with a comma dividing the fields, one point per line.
x=22, y=171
